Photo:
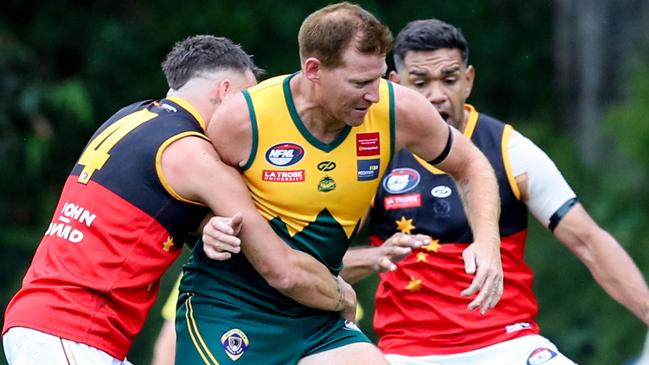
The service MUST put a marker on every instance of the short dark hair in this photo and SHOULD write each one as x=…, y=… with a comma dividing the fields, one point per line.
x=429, y=35
x=204, y=53
x=328, y=32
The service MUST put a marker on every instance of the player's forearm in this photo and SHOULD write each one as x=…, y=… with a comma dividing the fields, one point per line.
x=617, y=274
x=309, y=282
x=607, y=261
x=481, y=199
x=293, y=273
x=359, y=263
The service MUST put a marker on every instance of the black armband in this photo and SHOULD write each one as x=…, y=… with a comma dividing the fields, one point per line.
x=560, y=213
x=447, y=149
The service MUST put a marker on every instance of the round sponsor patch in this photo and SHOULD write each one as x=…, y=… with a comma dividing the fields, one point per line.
x=401, y=180
x=284, y=154
x=540, y=355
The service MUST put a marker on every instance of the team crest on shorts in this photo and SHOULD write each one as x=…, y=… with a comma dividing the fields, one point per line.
x=540, y=356
x=235, y=343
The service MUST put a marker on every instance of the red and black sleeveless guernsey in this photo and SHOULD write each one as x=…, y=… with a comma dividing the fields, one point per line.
x=419, y=310
x=117, y=227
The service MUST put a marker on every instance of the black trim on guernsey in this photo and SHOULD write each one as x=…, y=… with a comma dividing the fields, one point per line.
x=560, y=213
x=447, y=148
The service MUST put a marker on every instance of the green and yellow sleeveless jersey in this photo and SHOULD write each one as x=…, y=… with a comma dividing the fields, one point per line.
x=315, y=194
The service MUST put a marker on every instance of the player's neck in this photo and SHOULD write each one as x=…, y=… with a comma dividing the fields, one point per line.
x=461, y=125
x=314, y=117
x=197, y=99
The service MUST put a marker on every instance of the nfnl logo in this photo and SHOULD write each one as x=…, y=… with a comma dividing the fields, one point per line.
x=401, y=180
x=284, y=154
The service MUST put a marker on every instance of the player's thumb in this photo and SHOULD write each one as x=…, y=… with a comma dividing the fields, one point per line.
x=469, y=261
x=235, y=222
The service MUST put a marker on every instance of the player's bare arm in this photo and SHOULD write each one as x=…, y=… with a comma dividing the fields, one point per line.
x=545, y=192
x=195, y=172
x=607, y=261
x=422, y=131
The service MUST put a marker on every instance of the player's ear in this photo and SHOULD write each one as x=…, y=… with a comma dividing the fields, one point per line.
x=224, y=88
x=469, y=77
x=220, y=90
x=393, y=76
x=312, y=68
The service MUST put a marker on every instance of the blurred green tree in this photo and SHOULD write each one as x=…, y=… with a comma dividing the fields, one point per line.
x=65, y=66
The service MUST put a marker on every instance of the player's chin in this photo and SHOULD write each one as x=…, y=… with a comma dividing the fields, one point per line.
x=357, y=117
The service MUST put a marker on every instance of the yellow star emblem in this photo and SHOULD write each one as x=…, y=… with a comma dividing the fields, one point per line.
x=414, y=285
x=422, y=257
x=405, y=225
x=432, y=246
x=166, y=245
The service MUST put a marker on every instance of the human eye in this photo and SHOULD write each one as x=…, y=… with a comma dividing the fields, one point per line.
x=450, y=80
x=419, y=83
x=361, y=84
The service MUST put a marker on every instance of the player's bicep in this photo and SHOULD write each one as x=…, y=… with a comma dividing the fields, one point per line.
x=184, y=166
x=419, y=127
x=546, y=188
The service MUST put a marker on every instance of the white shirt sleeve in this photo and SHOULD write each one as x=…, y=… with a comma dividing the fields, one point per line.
x=547, y=189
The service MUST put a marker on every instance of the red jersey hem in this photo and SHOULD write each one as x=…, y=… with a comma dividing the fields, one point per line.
x=423, y=348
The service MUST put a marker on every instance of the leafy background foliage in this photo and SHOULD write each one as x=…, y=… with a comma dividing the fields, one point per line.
x=65, y=66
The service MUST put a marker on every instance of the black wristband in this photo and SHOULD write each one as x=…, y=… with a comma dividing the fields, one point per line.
x=447, y=148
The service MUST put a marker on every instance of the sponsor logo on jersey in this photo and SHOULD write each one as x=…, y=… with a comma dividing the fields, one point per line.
x=349, y=325
x=441, y=191
x=401, y=180
x=368, y=144
x=282, y=175
x=368, y=169
x=326, y=166
x=70, y=214
x=402, y=201
x=235, y=343
x=326, y=184
x=284, y=154
x=541, y=355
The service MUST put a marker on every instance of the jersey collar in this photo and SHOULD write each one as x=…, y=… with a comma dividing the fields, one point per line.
x=190, y=108
x=473, y=120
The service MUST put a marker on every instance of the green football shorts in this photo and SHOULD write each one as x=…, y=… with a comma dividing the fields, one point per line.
x=217, y=333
